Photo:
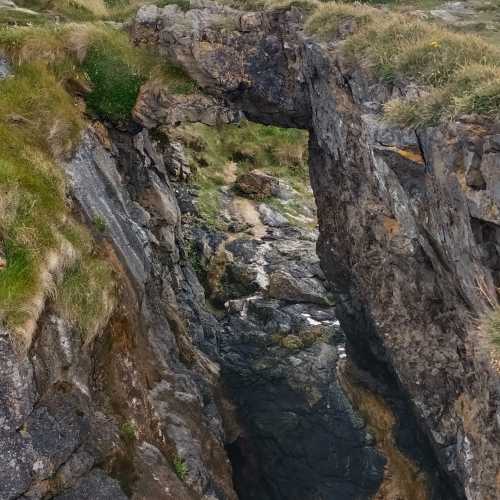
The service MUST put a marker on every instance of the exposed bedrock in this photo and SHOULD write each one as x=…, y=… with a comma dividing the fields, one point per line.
x=134, y=414
x=408, y=235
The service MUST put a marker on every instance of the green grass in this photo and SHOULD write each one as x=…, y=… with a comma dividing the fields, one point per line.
x=39, y=124
x=85, y=295
x=458, y=73
x=184, y=5
x=115, y=82
x=128, y=431
x=117, y=70
x=99, y=223
x=327, y=19
x=276, y=151
x=37, y=121
x=490, y=325
x=180, y=468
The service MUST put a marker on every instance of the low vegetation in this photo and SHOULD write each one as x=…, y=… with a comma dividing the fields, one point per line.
x=246, y=146
x=180, y=467
x=55, y=67
x=328, y=19
x=128, y=431
x=457, y=73
x=85, y=295
x=490, y=327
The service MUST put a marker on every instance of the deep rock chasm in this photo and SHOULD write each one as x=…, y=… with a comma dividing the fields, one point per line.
x=224, y=274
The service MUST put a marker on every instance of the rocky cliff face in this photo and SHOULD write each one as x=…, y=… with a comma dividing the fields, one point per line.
x=140, y=404
x=407, y=233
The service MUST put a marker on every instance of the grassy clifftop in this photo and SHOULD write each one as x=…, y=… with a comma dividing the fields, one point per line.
x=459, y=73
x=61, y=76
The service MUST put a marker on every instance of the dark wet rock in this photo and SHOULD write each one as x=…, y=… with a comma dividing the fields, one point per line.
x=298, y=436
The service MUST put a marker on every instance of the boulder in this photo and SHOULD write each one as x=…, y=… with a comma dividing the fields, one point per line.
x=284, y=286
x=257, y=184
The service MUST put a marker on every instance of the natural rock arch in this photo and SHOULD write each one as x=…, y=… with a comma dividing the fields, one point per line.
x=396, y=235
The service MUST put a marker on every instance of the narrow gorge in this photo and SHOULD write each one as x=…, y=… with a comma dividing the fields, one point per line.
x=238, y=260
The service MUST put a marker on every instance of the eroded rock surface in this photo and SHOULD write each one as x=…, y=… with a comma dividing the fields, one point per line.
x=110, y=419
x=407, y=232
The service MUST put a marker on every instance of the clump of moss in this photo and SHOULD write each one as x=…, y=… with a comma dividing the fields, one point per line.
x=128, y=431
x=180, y=468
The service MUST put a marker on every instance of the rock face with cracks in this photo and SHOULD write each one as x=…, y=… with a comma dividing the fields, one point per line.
x=408, y=219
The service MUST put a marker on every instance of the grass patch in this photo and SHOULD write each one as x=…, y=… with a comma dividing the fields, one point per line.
x=329, y=19
x=128, y=431
x=458, y=73
x=276, y=151
x=184, y=5
x=115, y=81
x=99, y=54
x=490, y=326
x=117, y=70
x=85, y=296
x=38, y=121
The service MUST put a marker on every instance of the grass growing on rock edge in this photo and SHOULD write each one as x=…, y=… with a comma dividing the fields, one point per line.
x=40, y=124
x=490, y=326
x=457, y=73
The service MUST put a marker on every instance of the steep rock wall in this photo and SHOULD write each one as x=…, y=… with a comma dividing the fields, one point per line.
x=134, y=414
x=405, y=240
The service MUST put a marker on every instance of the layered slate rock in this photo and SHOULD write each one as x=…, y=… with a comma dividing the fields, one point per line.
x=109, y=419
x=407, y=219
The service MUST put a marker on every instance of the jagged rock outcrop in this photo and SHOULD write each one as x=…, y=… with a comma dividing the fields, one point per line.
x=134, y=414
x=407, y=233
